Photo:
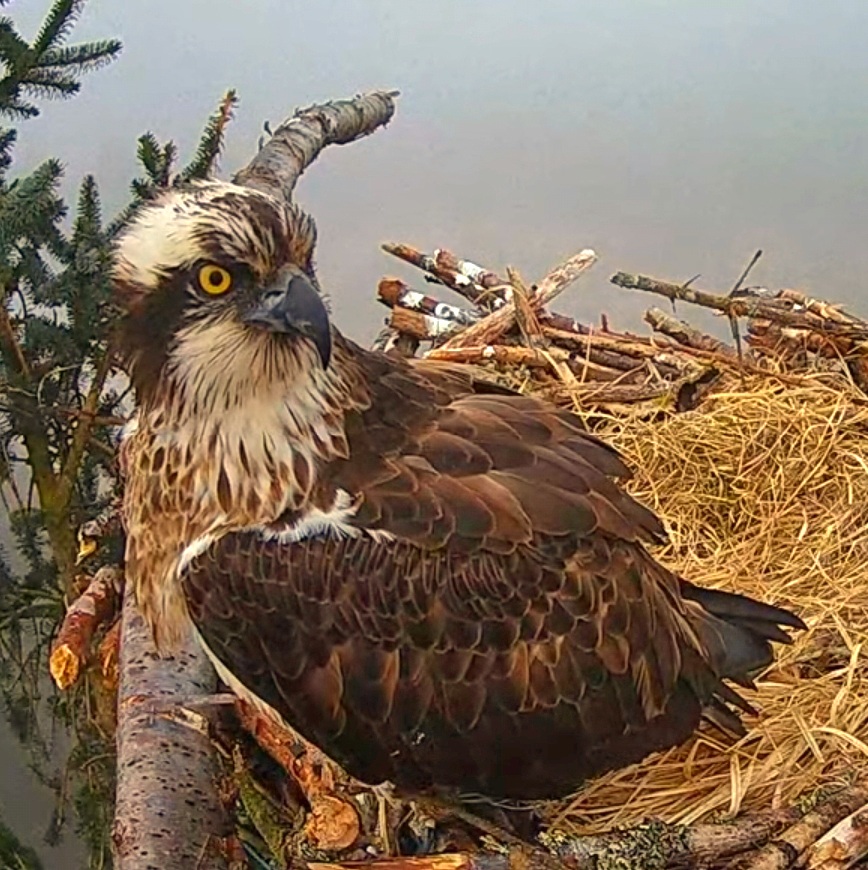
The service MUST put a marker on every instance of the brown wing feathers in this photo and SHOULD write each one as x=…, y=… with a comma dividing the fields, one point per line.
x=512, y=637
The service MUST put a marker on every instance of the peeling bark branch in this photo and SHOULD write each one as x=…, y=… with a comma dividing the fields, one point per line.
x=396, y=294
x=423, y=327
x=168, y=813
x=470, y=281
x=71, y=648
x=298, y=141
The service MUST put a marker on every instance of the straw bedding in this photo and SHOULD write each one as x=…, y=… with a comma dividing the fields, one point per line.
x=764, y=490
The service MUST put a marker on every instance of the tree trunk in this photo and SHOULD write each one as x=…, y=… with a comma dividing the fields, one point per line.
x=168, y=814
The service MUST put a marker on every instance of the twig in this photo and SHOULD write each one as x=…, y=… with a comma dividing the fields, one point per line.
x=92, y=608
x=747, y=270
x=490, y=329
x=81, y=434
x=9, y=342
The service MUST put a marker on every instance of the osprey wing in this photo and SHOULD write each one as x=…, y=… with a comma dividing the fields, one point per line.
x=481, y=614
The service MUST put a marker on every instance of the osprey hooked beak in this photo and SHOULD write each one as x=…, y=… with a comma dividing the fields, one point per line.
x=293, y=306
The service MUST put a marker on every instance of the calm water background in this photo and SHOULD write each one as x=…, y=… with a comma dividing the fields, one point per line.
x=673, y=137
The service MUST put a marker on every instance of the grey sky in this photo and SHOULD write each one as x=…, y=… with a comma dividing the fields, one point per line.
x=674, y=137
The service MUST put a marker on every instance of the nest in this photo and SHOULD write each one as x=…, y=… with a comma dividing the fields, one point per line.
x=764, y=490
x=753, y=453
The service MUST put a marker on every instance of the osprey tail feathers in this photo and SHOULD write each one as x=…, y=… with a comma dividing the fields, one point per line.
x=738, y=631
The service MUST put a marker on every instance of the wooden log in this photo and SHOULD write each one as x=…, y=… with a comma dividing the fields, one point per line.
x=490, y=329
x=563, y=323
x=607, y=393
x=72, y=646
x=167, y=810
x=333, y=823
x=672, y=845
x=511, y=355
x=841, y=847
x=617, y=352
x=653, y=843
x=497, y=291
x=424, y=327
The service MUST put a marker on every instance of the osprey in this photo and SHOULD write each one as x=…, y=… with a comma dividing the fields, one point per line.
x=437, y=582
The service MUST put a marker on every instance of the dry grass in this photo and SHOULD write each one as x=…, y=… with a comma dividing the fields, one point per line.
x=765, y=491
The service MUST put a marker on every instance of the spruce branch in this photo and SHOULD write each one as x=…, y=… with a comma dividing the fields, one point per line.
x=211, y=143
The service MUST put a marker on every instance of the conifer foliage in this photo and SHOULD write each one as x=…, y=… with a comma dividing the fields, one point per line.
x=61, y=399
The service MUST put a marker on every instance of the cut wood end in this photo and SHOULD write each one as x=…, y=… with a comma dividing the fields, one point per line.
x=333, y=824
x=65, y=666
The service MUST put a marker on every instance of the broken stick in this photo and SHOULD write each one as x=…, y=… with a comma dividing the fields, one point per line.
x=71, y=649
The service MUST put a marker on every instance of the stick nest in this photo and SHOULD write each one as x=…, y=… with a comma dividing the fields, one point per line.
x=753, y=454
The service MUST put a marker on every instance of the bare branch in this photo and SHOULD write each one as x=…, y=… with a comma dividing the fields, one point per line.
x=298, y=141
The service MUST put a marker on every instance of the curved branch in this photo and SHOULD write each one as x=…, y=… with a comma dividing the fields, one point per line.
x=298, y=141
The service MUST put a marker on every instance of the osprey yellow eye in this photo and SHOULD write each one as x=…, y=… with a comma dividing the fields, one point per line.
x=214, y=280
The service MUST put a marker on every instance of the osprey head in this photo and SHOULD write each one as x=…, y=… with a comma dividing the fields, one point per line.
x=217, y=292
